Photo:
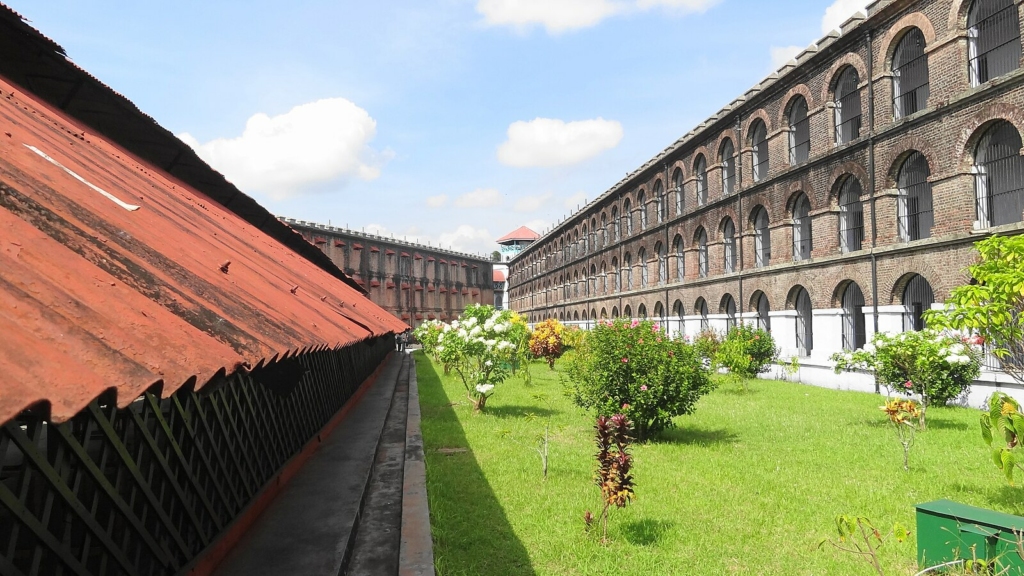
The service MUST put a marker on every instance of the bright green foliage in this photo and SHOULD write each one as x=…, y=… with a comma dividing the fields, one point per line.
x=572, y=337
x=477, y=348
x=992, y=307
x=428, y=335
x=631, y=367
x=746, y=351
x=1002, y=428
x=937, y=366
x=706, y=345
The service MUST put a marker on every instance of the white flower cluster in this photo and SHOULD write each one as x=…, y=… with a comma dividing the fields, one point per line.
x=956, y=354
x=484, y=388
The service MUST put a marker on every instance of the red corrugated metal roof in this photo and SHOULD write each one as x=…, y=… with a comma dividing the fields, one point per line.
x=95, y=296
x=521, y=233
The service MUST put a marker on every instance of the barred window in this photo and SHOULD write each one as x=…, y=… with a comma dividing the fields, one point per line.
x=641, y=207
x=584, y=242
x=804, y=323
x=627, y=270
x=764, y=320
x=659, y=201
x=999, y=176
x=627, y=311
x=700, y=171
x=729, y=245
x=848, y=108
x=602, y=238
x=917, y=297
x=727, y=156
x=627, y=217
x=729, y=309
x=659, y=313
x=802, y=242
x=615, y=223
x=759, y=147
x=677, y=187
x=851, y=215
x=662, y=263
x=910, y=75
x=915, y=201
x=762, y=238
x=641, y=312
x=993, y=39
x=677, y=248
x=616, y=276
x=702, y=253
x=701, y=308
x=604, y=278
x=799, y=132
x=641, y=262
x=854, y=331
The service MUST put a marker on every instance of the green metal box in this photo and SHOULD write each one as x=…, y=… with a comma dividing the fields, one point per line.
x=949, y=531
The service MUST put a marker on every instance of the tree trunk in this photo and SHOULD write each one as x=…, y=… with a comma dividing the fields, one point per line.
x=478, y=402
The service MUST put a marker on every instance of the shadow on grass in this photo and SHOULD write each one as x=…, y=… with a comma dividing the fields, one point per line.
x=471, y=532
x=645, y=532
x=944, y=424
x=1008, y=498
x=696, y=436
x=516, y=411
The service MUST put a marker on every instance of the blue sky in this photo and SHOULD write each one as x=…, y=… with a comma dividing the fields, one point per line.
x=451, y=121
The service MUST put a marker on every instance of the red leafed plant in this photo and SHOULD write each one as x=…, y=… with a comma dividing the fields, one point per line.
x=614, y=465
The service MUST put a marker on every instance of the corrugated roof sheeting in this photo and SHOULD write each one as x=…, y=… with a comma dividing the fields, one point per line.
x=95, y=295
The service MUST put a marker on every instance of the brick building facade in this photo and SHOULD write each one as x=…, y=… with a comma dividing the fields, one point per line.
x=411, y=281
x=839, y=196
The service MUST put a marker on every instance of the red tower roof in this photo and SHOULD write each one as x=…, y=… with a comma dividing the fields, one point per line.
x=521, y=233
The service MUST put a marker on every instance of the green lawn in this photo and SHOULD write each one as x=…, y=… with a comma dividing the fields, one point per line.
x=748, y=484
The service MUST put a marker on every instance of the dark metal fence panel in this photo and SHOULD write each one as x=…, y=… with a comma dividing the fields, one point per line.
x=915, y=211
x=145, y=489
x=993, y=34
x=1000, y=176
x=910, y=75
x=848, y=107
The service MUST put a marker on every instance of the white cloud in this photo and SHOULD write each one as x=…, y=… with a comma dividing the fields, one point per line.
x=558, y=16
x=839, y=12
x=469, y=239
x=783, y=54
x=284, y=155
x=479, y=198
x=577, y=199
x=538, y=225
x=553, y=142
x=531, y=203
x=437, y=201
x=377, y=229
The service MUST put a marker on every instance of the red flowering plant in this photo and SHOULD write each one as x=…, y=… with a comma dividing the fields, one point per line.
x=632, y=367
x=746, y=351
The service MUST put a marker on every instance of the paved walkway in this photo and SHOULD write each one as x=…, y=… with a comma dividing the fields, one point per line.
x=358, y=506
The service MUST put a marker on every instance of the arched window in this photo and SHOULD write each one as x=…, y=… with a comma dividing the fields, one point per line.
x=701, y=308
x=616, y=276
x=576, y=285
x=729, y=245
x=583, y=240
x=677, y=317
x=915, y=201
x=729, y=309
x=641, y=312
x=615, y=311
x=659, y=201
x=700, y=172
x=759, y=148
x=659, y=312
x=604, y=313
x=917, y=297
x=627, y=217
x=627, y=271
x=604, y=278
x=593, y=280
x=999, y=176
x=727, y=156
x=659, y=248
x=851, y=215
x=615, y=223
x=677, y=248
x=909, y=75
x=799, y=132
x=576, y=316
x=854, y=332
x=993, y=39
x=593, y=234
x=764, y=320
x=602, y=238
x=762, y=238
x=848, y=109
x=702, y=253
x=677, y=188
x=641, y=207
x=627, y=311
x=804, y=331
x=641, y=262
x=802, y=244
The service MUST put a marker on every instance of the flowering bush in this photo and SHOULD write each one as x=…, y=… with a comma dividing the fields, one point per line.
x=572, y=337
x=746, y=351
x=903, y=415
x=428, y=335
x=476, y=347
x=546, y=341
x=706, y=345
x=631, y=367
x=934, y=365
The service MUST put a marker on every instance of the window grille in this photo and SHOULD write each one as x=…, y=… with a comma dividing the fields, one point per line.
x=802, y=243
x=728, y=158
x=848, y=108
x=729, y=307
x=615, y=223
x=641, y=262
x=659, y=199
x=616, y=276
x=764, y=320
x=804, y=330
x=700, y=170
x=759, y=146
x=662, y=264
x=999, y=176
x=799, y=132
x=851, y=215
x=915, y=201
x=910, y=75
x=641, y=312
x=641, y=207
x=628, y=312
x=677, y=187
x=677, y=246
x=677, y=319
x=729, y=246
x=917, y=297
x=762, y=238
x=702, y=310
x=993, y=39
x=854, y=332
x=627, y=216
x=702, y=254
x=627, y=270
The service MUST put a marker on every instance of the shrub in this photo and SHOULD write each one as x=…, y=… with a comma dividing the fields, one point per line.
x=614, y=465
x=631, y=367
x=573, y=337
x=546, y=341
x=477, y=349
x=706, y=345
x=1002, y=428
x=746, y=351
x=428, y=335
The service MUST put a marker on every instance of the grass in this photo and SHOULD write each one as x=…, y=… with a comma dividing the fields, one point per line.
x=750, y=483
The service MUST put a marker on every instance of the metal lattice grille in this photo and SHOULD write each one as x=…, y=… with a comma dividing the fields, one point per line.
x=762, y=239
x=729, y=246
x=1000, y=176
x=851, y=216
x=804, y=331
x=993, y=33
x=702, y=255
x=799, y=132
x=764, y=321
x=917, y=297
x=759, y=144
x=910, y=75
x=143, y=490
x=802, y=242
x=728, y=168
x=854, y=330
x=700, y=170
x=915, y=201
x=848, y=108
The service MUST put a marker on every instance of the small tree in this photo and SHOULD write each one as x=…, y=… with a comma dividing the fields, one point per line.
x=993, y=306
x=614, y=465
x=546, y=341
x=476, y=349
x=631, y=367
x=903, y=415
x=746, y=352
x=858, y=536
